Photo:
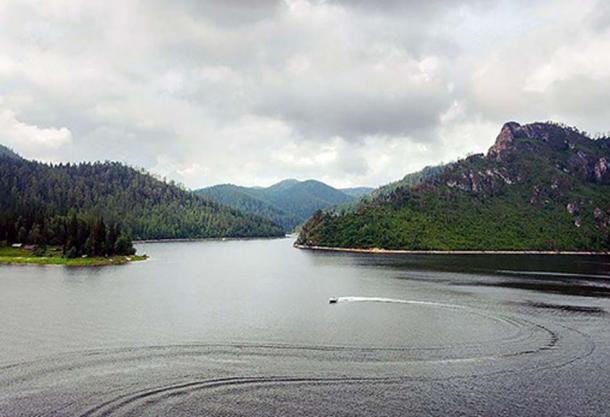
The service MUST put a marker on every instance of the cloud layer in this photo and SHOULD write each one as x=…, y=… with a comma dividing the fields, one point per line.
x=350, y=92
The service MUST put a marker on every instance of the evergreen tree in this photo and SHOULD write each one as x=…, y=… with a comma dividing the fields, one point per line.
x=36, y=236
x=123, y=245
x=22, y=235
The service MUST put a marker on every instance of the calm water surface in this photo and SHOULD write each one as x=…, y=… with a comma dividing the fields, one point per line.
x=245, y=328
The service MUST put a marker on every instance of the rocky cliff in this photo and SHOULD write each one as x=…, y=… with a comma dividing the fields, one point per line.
x=540, y=186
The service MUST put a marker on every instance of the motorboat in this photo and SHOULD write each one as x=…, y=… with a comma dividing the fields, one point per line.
x=333, y=300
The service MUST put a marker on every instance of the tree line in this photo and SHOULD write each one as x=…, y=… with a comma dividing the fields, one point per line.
x=39, y=198
x=76, y=235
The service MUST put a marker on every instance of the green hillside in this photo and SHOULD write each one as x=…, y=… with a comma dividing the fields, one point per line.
x=357, y=192
x=287, y=203
x=38, y=198
x=8, y=153
x=541, y=186
x=248, y=200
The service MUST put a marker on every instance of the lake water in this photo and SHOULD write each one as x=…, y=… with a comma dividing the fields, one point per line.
x=245, y=328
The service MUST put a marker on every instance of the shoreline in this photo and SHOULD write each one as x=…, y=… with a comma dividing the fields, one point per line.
x=447, y=252
x=53, y=257
x=72, y=262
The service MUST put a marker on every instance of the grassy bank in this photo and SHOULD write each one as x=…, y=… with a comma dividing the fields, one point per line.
x=53, y=256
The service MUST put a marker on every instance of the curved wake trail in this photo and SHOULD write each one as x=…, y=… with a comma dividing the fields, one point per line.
x=191, y=380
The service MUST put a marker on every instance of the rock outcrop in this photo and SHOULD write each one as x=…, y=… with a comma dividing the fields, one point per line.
x=601, y=171
x=540, y=185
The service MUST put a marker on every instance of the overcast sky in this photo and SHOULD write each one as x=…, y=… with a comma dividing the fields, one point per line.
x=250, y=92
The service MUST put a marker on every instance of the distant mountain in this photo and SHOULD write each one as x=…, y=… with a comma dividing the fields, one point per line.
x=281, y=186
x=38, y=196
x=249, y=200
x=303, y=198
x=287, y=203
x=357, y=192
x=541, y=186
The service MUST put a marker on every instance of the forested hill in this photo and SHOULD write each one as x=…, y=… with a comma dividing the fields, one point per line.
x=38, y=195
x=541, y=186
x=8, y=152
x=248, y=200
x=357, y=192
x=288, y=203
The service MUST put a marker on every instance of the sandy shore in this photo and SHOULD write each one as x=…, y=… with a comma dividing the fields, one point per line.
x=449, y=252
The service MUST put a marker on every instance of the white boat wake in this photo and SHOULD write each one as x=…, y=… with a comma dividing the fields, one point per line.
x=392, y=300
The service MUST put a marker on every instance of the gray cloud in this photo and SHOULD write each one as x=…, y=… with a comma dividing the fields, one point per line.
x=353, y=115
x=352, y=92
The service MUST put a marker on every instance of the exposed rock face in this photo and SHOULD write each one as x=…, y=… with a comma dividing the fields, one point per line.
x=602, y=219
x=601, y=171
x=570, y=152
x=504, y=141
x=489, y=181
x=514, y=136
x=590, y=167
x=579, y=164
x=480, y=177
x=573, y=208
x=582, y=160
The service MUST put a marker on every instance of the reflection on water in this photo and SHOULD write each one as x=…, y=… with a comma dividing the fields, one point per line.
x=550, y=286
x=568, y=308
x=245, y=328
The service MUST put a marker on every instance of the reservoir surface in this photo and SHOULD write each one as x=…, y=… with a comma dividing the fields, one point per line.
x=245, y=327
